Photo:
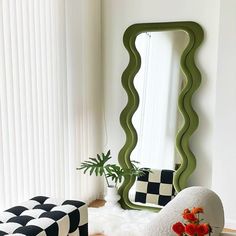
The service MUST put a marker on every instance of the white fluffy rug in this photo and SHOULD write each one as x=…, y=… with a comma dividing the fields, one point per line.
x=116, y=221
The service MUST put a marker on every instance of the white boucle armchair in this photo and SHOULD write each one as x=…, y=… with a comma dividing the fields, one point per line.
x=191, y=197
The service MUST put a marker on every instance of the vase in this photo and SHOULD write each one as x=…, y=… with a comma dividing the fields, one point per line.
x=112, y=197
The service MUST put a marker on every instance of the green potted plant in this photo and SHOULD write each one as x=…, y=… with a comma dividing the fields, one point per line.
x=112, y=173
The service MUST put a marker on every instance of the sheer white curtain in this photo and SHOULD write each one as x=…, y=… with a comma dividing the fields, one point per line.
x=49, y=104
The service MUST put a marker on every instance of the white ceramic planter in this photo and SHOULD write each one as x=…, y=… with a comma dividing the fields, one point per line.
x=112, y=197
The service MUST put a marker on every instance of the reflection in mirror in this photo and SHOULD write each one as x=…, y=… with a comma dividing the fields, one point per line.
x=157, y=120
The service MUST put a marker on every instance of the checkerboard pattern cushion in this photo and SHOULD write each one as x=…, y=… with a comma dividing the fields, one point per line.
x=43, y=216
x=155, y=187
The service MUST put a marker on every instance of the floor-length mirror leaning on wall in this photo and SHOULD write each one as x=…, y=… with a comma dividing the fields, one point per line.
x=159, y=119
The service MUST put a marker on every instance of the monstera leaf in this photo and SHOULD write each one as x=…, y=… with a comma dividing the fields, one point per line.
x=115, y=173
x=137, y=171
x=96, y=165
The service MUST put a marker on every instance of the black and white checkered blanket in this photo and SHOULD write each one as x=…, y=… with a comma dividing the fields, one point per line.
x=155, y=187
x=43, y=216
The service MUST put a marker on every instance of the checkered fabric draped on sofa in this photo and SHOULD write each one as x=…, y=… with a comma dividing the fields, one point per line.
x=43, y=216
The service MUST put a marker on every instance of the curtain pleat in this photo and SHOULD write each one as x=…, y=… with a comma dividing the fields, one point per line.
x=47, y=120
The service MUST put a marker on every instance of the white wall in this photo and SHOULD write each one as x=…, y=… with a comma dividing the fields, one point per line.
x=117, y=16
x=224, y=164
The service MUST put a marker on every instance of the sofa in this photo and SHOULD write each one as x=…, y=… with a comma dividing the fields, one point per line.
x=190, y=197
x=44, y=216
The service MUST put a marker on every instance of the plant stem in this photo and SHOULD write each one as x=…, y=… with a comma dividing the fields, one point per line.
x=106, y=179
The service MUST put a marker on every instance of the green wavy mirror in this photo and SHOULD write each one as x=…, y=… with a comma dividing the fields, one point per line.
x=158, y=119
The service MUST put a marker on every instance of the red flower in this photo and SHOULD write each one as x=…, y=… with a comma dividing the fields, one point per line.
x=186, y=211
x=192, y=226
x=190, y=217
x=190, y=229
x=197, y=210
x=178, y=228
x=202, y=229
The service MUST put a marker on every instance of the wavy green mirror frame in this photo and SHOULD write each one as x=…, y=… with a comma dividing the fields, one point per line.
x=192, y=81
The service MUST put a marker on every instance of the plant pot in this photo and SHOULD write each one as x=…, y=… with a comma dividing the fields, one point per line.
x=112, y=197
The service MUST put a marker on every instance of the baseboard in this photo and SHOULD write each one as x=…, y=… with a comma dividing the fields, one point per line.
x=230, y=224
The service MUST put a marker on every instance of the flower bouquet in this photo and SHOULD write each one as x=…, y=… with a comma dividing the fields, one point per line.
x=193, y=225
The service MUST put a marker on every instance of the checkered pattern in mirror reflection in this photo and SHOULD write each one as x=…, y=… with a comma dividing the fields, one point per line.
x=155, y=187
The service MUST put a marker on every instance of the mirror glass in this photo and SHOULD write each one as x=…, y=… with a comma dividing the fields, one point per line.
x=157, y=119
